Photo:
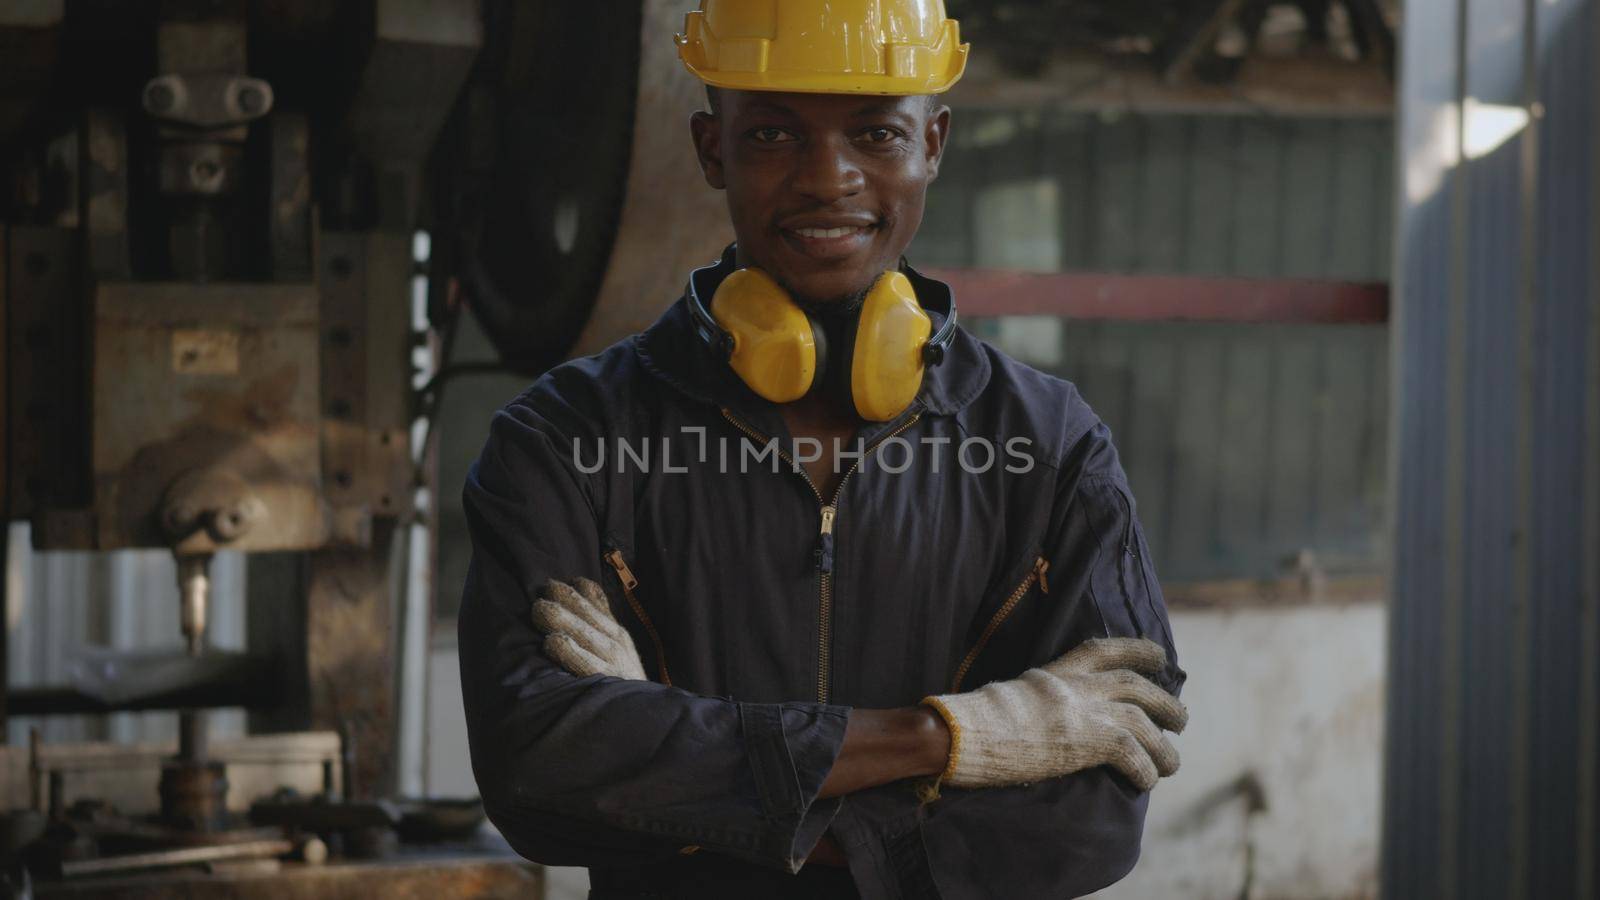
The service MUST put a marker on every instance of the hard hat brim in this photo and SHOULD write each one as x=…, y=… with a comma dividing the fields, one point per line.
x=876, y=85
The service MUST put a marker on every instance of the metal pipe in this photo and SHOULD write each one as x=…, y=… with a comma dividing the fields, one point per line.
x=35, y=789
x=194, y=592
x=192, y=743
x=186, y=856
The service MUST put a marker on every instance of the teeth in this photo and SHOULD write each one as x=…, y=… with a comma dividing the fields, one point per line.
x=826, y=232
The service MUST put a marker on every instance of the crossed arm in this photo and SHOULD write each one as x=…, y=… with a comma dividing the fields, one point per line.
x=1093, y=698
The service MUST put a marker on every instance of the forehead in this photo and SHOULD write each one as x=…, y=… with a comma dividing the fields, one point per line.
x=820, y=107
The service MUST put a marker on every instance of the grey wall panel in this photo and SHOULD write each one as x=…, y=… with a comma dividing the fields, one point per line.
x=1566, y=657
x=1416, y=708
x=1494, y=691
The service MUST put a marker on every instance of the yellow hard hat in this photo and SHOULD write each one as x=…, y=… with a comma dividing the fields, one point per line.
x=887, y=47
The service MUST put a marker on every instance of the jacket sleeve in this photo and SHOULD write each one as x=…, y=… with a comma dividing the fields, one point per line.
x=1068, y=836
x=598, y=770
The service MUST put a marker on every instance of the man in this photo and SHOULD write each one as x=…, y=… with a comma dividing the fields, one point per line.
x=900, y=652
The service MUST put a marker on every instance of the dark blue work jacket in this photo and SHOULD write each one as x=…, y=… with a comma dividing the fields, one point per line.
x=760, y=631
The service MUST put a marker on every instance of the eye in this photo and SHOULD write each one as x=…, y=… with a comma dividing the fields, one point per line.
x=771, y=135
x=881, y=136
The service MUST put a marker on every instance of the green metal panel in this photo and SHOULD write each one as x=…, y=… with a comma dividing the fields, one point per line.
x=1177, y=194
x=1213, y=165
x=1259, y=200
x=1245, y=444
x=1071, y=139
x=1310, y=196
x=1163, y=196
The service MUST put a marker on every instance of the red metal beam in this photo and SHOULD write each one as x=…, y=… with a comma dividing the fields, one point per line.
x=1147, y=298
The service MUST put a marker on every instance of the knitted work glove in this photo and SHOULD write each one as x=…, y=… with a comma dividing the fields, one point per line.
x=581, y=633
x=1088, y=708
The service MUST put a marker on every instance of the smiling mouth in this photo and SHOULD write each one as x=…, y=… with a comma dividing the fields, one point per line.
x=820, y=233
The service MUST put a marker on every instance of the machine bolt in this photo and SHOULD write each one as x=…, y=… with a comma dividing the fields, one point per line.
x=251, y=100
x=231, y=522
x=205, y=174
x=180, y=519
x=159, y=98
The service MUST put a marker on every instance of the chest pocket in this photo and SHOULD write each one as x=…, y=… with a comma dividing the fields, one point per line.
x=629, y=584
x=1024, y=585
x=622, y=497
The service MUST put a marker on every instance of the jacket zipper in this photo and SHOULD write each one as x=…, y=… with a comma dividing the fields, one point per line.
x=823, y=553
x=614, y=557
x=1037, y=573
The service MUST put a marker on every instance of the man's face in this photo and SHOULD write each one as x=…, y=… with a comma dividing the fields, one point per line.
x=825, y=190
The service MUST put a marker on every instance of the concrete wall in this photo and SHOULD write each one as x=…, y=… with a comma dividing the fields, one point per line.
x=1278, y=795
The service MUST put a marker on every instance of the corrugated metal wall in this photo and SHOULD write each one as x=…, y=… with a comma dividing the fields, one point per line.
x=1245, y=444
x=1494, y=698
x=1251, y=196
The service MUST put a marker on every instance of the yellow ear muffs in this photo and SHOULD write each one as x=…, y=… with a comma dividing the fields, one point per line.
x=774, y=345
x=887, y=362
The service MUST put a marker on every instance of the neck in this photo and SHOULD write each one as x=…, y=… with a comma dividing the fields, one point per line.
x=821, y=410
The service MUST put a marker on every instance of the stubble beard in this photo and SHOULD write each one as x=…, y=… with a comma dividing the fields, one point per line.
x=840, y=307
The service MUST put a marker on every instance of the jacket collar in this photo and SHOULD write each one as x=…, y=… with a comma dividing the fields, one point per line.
x=672, y=352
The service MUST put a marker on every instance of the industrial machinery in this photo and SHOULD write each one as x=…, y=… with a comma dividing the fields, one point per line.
x=206, y=262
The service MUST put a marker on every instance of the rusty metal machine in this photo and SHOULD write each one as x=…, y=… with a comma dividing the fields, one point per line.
x=207, y=217
x=207, y=220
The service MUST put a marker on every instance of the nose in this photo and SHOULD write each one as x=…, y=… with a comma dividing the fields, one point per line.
x=826, y=173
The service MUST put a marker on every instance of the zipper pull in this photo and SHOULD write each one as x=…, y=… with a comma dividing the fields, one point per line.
x=1041, y=566
x=614, y=557
x=824, y=551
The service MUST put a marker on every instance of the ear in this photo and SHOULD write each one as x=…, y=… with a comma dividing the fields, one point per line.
x=706, y=129
x=934, y=137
